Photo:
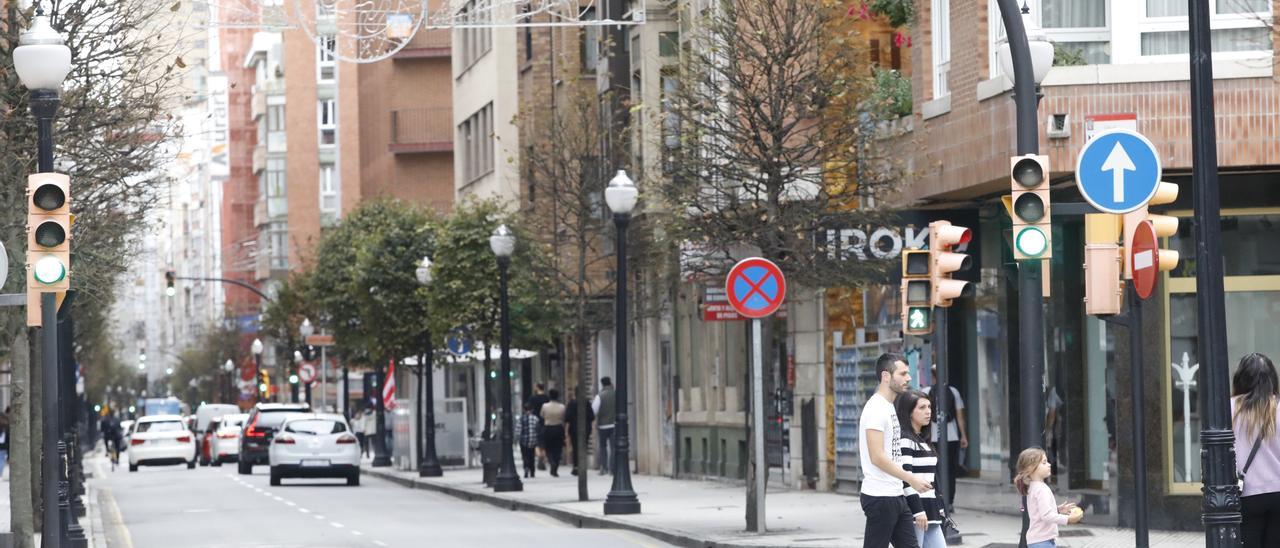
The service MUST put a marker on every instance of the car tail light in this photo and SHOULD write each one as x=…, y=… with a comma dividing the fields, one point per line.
x=184, y=439
x=285, y=439
x=136, y=441
x=252, y=430
x=346, y=438
x=227, y=435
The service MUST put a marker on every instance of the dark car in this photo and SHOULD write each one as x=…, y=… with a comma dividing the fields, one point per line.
x=260, y=428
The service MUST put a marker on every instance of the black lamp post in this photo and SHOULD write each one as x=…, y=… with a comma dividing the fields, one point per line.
x=42, y=62
x=381, y=456
x=503, y=244
x=428, y=462
x=621, y=196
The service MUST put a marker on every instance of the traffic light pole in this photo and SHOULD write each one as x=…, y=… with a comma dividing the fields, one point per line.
x=51, y=467
x=1030, y=295
x=941, y=393
x=1221, y=516
x=1132, y=320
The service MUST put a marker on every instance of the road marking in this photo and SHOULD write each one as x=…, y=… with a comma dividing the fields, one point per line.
x=357, y=533
x=118, y=520
x=379, y=543
x=278, y=498
x=336, y=524
x=304, y=510
x=319, y=517
x=289, y=503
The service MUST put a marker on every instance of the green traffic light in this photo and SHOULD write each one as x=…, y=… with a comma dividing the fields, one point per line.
x=918, y=318
x=1032, y=242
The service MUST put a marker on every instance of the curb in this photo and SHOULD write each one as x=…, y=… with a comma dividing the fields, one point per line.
x=576, y=519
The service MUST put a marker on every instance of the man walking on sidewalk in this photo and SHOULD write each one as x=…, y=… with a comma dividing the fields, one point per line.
x=889, y=519
x=602, y=406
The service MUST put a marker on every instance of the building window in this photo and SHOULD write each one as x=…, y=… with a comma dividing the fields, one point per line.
x=327, y=121
x=589, y=49
x=278, y=238
x=325, y=64
x=275, y=117
x=1078, y=26
x=1252, y=282
x=328, y=190
x=941, y=21
x=474, y=42
x=476, y=136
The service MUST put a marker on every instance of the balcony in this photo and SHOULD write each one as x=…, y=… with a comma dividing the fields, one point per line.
x=427, y=44
x=421, y=130
x=260, y=216
x=259, y=158
x=259, y=104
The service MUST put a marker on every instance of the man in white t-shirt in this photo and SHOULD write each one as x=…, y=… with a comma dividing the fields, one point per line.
x=889, y=519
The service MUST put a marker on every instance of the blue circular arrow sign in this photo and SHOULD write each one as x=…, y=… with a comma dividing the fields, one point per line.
x=458, y=341
x=1118, y=171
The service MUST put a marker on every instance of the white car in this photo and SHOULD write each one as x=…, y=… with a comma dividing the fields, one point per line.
x=161, y=439
x=224, y=444
x=126, y=430
x=315, y=446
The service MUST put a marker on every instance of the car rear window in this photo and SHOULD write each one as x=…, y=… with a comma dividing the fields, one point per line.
x=316, y=426
x=233, y=422
x=160, y=426
x=273, y=419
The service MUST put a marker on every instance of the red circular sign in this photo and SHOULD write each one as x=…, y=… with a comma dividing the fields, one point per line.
x=755, y=287
x=1144, y=259
x=307, y=372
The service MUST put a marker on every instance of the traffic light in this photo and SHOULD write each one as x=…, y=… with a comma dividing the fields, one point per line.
x=1164, y=225
x=917, y=310
x=264, y=383
x=48, y=239
x=1032, y=226
x=943, y=236
x=169, y=290
x=1103, y=286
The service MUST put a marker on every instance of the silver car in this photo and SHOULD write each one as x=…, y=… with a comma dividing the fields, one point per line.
x=319, y=445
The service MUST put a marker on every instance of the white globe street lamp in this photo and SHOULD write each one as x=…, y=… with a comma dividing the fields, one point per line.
x=423, y=272
x=621, y=194
x=502, y=241
x=1041, y=50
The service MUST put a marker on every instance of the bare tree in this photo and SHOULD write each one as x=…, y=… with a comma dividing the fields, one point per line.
x=768, y=143
x=109, y=133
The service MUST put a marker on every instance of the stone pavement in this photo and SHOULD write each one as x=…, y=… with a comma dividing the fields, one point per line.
x=709, y=514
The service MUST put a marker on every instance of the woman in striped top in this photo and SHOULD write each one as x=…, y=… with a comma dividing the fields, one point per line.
x=919, y=458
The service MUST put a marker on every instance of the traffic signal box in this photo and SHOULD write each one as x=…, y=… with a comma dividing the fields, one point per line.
x=917, y=295
x=169, y=277
x=1164, y=225
x=943, y=237
x=264, y=384
x=1103, y=288
x=1032, y=226
x=48, y=239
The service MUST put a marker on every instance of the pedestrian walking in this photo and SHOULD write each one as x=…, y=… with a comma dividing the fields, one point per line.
x=957, y=436
x=604, y=410
x=1044, y=514
x=571, y=422
x=1254, y=390
x=915, y=412
x=553, y=430
x=883, y=500
x=527, y=436
x=535, y=401
x=370, y=428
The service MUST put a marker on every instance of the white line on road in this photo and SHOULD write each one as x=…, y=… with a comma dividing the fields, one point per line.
x=336, y=524
x=379, y=543
x=319, y=517
x=304, y=510
x=357, y=533
x=289, y=503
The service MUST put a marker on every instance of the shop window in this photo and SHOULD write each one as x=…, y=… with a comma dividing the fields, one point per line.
x=1252, y=283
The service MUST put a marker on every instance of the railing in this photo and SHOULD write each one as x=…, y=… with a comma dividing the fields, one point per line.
x=422, y=130
x=427, y=43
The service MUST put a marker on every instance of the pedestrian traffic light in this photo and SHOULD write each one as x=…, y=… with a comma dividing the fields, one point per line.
x=917, y=311
x=264, y=383
x=48, y=238
x=169, y=290
x=943, y=237
x=1164, y=225
x=1103, y=286
x=1032, y=225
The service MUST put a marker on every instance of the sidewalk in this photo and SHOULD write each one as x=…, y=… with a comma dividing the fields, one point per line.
x=709, y=514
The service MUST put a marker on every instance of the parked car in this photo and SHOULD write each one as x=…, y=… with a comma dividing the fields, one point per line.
x=206, y=415
x=224, y=444
x=260, y=427
x=126, y=430
x=317, y=445
x=161, y=440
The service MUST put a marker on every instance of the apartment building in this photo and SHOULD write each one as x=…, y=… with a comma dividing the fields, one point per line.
x=485, y=106
x=1122, y=64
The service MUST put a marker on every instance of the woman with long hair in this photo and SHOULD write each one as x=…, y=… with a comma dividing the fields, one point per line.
x=1254, y=392
x=920, y=458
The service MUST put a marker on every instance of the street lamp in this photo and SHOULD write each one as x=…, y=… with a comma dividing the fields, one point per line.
x=1027, y=61
x=306, y=330
x=256, y=349
x=621, y=195
x=428, y=462
x=293, y=377
x=230, y=367
x=503, y=244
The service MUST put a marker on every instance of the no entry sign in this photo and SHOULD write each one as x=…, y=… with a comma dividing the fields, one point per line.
x=307, y=372
x=1145, y=257
x=756, y=287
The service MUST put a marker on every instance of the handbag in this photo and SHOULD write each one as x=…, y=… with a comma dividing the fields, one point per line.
x=1252, y=453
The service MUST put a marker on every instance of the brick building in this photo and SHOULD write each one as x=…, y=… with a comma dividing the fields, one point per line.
x=1123, y=64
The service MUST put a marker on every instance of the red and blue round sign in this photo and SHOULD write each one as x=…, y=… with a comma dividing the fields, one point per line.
x=756, y=287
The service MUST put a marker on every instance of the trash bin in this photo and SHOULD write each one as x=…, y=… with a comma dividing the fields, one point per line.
x=489, y=460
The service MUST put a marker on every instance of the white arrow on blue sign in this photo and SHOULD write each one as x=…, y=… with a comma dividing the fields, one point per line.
x=1118, y=171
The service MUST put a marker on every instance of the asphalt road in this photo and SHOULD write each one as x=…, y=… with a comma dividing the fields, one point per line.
x=172, y=506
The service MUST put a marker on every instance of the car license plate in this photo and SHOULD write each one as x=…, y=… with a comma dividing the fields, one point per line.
x=315, y=462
